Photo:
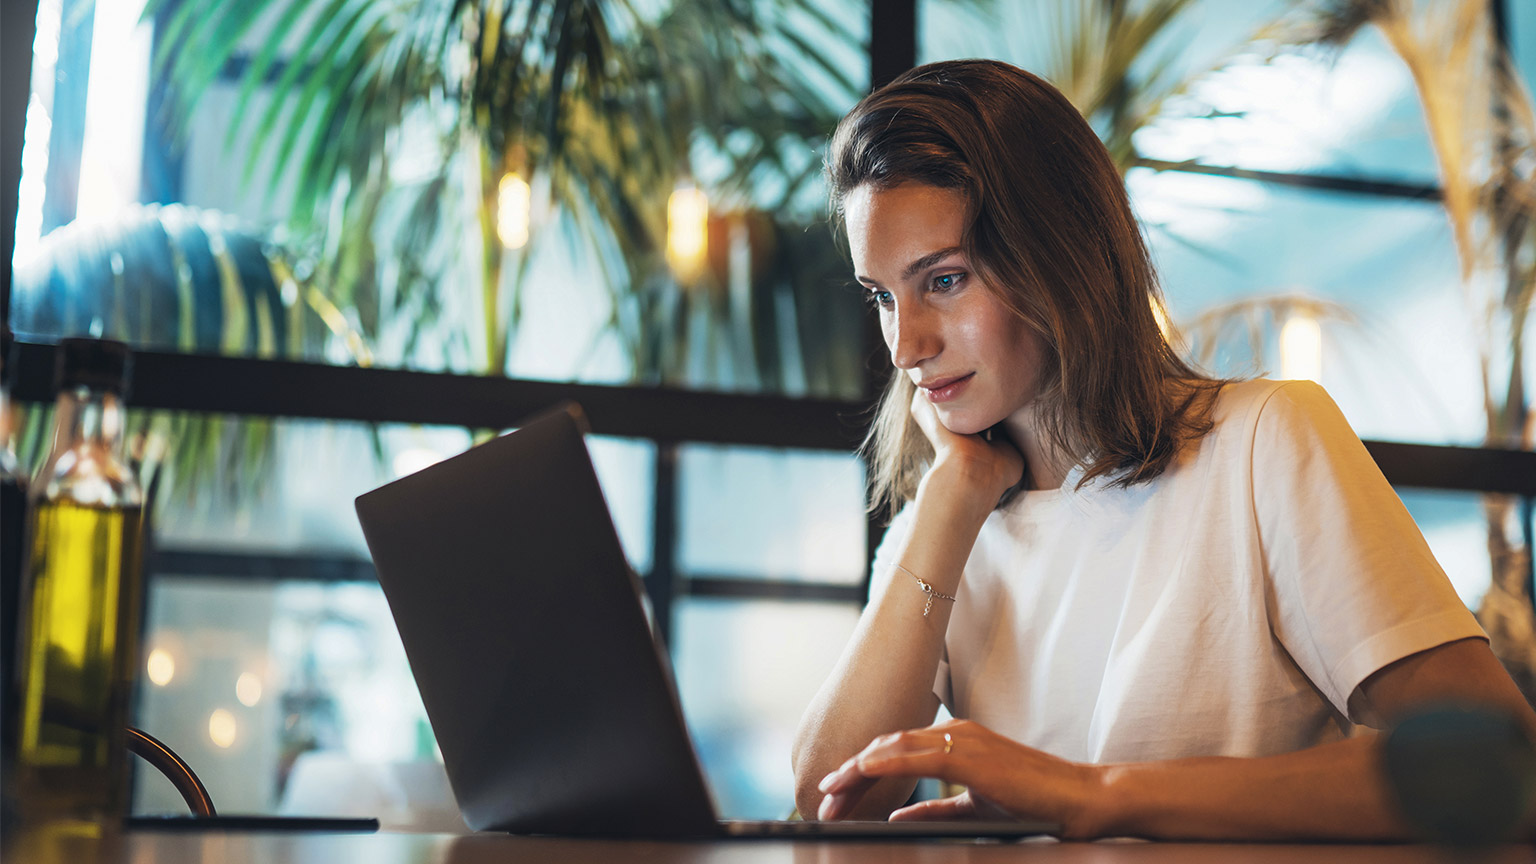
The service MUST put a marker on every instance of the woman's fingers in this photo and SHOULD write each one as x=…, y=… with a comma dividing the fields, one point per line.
x=844, y=777
x=832, y=806
x=902, y=754
x=959, y=807
x=928, y=420
x=1004, y=779
x=844, y=788
x=919, y=763
x=841, y=802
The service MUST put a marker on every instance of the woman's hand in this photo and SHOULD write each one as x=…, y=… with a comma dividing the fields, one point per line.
x=1003, y=778
x=996, y=465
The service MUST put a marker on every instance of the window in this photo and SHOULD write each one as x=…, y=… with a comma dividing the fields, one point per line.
x=390, y=259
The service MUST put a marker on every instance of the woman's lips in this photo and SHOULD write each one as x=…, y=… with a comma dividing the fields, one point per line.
x=950, y=390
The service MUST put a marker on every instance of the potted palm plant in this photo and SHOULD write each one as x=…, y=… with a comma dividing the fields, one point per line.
x=401, y=125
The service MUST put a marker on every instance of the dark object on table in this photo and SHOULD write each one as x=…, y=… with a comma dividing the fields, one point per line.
x=327, y=824
x=1463, y=777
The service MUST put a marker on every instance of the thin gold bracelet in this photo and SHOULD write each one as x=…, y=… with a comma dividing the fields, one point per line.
x=927, y=589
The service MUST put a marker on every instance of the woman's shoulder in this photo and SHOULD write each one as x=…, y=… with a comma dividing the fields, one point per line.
x=1261, y=414
x=1239, y=395
x=1244, y=402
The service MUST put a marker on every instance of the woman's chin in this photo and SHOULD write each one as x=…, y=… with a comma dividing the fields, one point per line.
x=962, y=422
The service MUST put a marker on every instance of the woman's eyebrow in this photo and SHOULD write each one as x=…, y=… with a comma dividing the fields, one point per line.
x=927, y=261
x=920, y=264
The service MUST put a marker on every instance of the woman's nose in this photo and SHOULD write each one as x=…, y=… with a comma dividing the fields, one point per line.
x=912, y=338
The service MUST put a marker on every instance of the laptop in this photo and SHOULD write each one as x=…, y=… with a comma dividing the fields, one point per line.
x=553, y=704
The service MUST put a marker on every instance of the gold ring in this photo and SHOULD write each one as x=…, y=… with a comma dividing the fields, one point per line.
x=949, y=743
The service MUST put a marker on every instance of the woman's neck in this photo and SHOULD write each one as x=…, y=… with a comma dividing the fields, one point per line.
x=1047, y=466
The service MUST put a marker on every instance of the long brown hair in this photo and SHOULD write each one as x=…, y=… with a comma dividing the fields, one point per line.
x=1050, y=231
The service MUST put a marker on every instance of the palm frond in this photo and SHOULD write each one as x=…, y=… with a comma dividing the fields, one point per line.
x=603, y=99
x=1119, y=63
x=1478, y=115
x=261, y=65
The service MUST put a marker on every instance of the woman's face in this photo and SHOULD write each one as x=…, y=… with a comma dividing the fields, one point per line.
x=970, y=356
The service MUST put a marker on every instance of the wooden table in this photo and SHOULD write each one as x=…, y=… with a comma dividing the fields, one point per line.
x=146, y=847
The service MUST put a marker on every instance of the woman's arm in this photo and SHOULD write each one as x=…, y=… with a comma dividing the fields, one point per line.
x=884, y=681
x=1335, y=791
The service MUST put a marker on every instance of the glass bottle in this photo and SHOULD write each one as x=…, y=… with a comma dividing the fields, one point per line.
x=80, y=640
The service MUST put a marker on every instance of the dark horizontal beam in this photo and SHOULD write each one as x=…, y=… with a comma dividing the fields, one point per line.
x=1326, y=182
x=280, y=388
x=259, y=566
x=768, y=589
x=290, y=567
x=1464, y=469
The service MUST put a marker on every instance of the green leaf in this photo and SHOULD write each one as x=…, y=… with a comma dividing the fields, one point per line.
x=220, y=35
x=296, y=69
x=261, y=64
x=343, y=118
x=324, y=79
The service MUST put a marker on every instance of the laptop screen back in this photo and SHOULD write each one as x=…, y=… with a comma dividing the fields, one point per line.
x=551, y=702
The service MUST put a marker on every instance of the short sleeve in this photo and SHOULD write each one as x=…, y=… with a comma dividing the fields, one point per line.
x=1352, y=584
x=881, y=571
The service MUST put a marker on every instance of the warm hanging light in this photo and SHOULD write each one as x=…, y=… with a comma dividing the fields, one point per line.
x=161, y=667
x=1301, y=348
x=221, y=728
x=248, y=689
x=514, y=208
x=687, y=231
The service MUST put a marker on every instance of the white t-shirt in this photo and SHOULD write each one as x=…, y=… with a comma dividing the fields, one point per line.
x=1230, y=607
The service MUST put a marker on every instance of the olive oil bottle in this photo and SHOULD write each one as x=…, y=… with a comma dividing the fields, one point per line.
x=79, y=645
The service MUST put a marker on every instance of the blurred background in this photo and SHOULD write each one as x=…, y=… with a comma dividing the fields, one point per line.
x=627, y=193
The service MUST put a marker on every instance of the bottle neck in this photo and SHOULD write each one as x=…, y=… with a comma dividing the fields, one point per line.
x=86, y=464
x=83, y=415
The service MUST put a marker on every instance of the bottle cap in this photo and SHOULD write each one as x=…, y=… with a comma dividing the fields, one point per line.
x=99, y=364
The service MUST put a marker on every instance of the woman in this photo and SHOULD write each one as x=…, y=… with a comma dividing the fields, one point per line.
x=1157, y=602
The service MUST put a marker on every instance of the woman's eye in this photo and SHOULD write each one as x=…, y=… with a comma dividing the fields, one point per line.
x=878, y=298
x=947, y=281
